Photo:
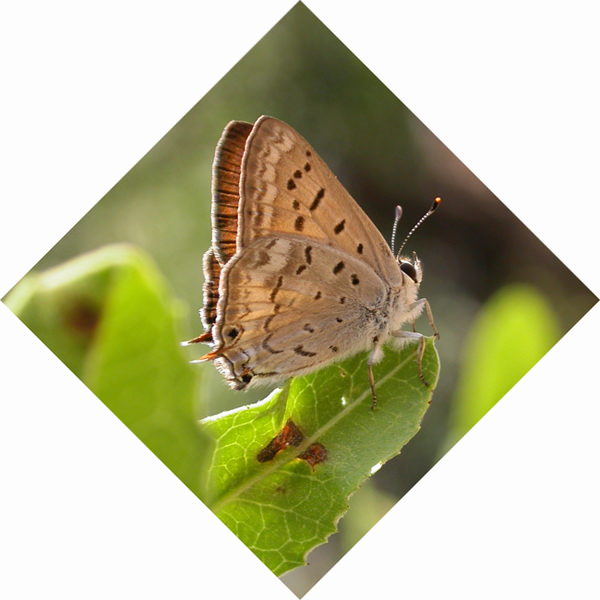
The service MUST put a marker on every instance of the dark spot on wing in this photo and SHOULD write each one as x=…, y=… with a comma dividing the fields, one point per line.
x=307, y=167
x=296, y=204
x=233, y=333
x=318, y=295
x=359, y=248
x=339, y=227
x=299, y=224
x=263, y=258
x=317, y=199
x=258, y=217
x=300, y=269
x=355, y=279
x=290, y=184
x=302, y=352
x=276, y=288
x=267, y=374
x=268, y=322
x=307, y=254
x=298, y=174
x=308, y=328
x=333, y=348
x=343, y=300
x=338, y=267
x=268, y=348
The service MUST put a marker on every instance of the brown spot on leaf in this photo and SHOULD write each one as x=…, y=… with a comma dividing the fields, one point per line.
x=290, y=435
x=82, y=317
x=316, y=453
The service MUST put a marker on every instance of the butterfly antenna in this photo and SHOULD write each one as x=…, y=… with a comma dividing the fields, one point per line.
x=398, y=215
x=435, y=204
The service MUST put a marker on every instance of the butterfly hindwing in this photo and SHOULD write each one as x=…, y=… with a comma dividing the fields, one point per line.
x=289, y=304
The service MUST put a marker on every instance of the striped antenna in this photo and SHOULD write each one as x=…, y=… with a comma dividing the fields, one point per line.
x=435, y=204
x=398, y=215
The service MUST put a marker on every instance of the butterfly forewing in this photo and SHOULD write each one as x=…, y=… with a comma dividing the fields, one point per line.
x=227, y=168
x=287, y=188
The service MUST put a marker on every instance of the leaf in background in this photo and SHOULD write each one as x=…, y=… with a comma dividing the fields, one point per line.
x=284, y=507
x=512, y=332
x=110, y=318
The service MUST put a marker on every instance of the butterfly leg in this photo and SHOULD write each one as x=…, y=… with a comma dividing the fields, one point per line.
x=376, y=355
x=412, y=335
x=372, y=382
x=423, y=303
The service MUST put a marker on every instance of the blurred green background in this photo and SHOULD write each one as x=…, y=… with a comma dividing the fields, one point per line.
x=500, y=298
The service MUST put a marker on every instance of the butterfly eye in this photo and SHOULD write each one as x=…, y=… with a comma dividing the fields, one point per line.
x=409, y=269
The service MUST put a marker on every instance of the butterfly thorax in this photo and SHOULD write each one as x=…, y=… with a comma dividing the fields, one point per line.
x=403, y=309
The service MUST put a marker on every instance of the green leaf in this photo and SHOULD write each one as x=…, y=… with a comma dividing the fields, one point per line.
x=284, y=507
x=111, y=319
x=512, y=332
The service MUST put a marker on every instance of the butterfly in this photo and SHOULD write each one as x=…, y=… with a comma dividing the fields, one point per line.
x=297, y=276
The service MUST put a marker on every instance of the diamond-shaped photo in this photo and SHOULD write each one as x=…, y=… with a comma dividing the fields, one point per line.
x=343, y=344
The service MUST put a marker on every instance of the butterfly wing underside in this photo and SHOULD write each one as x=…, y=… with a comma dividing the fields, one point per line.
x=296, y=271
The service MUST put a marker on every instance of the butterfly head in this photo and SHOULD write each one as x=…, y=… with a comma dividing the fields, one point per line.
x=411, y=269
